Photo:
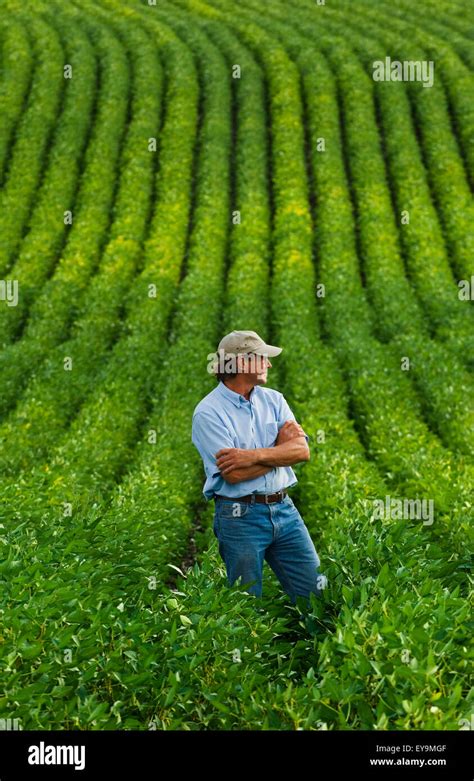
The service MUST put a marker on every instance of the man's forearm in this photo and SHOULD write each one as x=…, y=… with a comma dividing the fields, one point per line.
x=237, y=464
x=246, y=473
x=286, y=454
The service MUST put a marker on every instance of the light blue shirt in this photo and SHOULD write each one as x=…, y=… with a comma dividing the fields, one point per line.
x=224, y=419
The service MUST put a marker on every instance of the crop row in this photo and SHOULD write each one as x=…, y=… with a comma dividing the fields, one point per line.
x=236, y=699
x=66, y=296
x=431, y=279
x=383, y=267
x=453, y=62
x=32, y=136
x=47, y=229
x=124, y=534
x=17, y=67
x=56, y=393
x=339, y=652
x=439, y=22
x=115, y=536
x=138, y=655
x=378, y=370
x=60, y=394
x=317, y=95
x=109, y=423
x=451, y=172
x=161, y=489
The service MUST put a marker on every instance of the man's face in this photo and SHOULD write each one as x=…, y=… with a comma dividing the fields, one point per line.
x=256, y=368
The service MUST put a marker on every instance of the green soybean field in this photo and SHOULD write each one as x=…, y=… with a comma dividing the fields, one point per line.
x=172, y=170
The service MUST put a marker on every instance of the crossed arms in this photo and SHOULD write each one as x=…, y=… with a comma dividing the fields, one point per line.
x=237, y=464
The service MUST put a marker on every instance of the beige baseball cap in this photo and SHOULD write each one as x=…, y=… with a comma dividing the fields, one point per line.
x=247, y=342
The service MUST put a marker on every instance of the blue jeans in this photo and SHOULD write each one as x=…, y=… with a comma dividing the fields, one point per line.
x=249, y=533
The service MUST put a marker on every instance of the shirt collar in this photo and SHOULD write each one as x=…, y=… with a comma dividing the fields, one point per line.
x=235, y=398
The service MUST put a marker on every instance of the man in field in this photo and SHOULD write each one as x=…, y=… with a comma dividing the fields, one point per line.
x=248, y=439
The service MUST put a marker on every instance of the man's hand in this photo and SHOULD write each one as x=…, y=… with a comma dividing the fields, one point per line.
x=290, y=447
x=237, y=464
x=231, y=458
x=289, y=430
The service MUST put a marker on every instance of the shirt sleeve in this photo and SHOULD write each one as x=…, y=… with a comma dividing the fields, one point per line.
x=285, y=414
x=209, y=435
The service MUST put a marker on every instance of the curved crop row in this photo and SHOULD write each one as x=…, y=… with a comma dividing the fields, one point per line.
x=373, y=374
x=17, y=67
x=387, y=645
x=195, y=327
x=449, y=172
x=432, y=279
x=398, y=316
x=32, y=137
x=57, y=391
x=134, y=373
x=436, y=23
x=160, y=490
x=459, y=87
x=327, y=179
x=287, y=281
x=435, y=131
x=66, y=296
x=301, y=706
x=47, y=229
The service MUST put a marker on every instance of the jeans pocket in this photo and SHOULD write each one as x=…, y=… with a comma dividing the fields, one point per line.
x=294, y=512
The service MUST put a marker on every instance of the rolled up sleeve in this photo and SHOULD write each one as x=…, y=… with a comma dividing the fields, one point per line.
x=209, y=435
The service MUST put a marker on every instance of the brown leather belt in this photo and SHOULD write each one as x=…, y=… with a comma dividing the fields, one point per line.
x=259, y=498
